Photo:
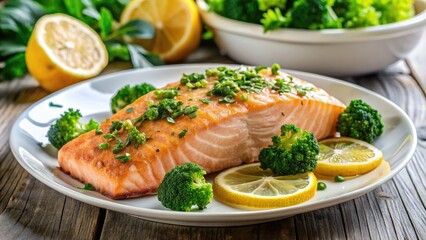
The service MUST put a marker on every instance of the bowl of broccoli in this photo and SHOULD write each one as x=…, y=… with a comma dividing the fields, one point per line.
x=330, y=37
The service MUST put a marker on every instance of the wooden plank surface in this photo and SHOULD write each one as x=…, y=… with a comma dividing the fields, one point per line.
x=395, y=210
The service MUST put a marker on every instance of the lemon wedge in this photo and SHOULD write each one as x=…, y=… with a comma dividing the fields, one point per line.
x=249, y=186
x=347, y=157
x=177, y=25
x=62, y=51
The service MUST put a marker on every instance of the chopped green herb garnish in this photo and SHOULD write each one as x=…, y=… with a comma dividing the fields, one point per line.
x=98, y=131
x=244, y=97
x=109, y=136
x=167, y=108
x=301, y=90
x=226, y=100
x=88, y=187
x=103, y=146
x=51, y=104
x=166, y=93
x=182, y=134
x=205, y=101
x=129, y=110
x=118, y=146
x=194, y=80
x=259, y=68
x=275, y=68
x=281, y=86
x=123, y=157
x=170, y=120
x=115, y=126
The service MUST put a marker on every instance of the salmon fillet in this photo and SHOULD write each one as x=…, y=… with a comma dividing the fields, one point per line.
x=222, y=135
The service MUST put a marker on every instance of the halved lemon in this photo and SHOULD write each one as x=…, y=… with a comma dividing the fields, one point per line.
x=62, y=51
x=347, y=157
x=177, y=24
x=249, y=186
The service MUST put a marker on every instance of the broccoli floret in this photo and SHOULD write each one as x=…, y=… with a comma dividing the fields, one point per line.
x=268, y=4
x=394, y=10
x=68, y=127
x=242, y=10
x=127, y=95
x=356, y=14
x=359, y=120
x=295, y=151
x=185, y=186
x=312, y=14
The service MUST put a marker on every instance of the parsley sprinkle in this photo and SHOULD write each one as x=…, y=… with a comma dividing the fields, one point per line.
x=129, y=110
x=51, y=104
x=226, y=99
x=98, y=131
x=88, y=187
x=109, y=136
x=103, y=146
x=205, y=101
x=118, y=146
x=275, y=68
x=170, y=120
x=165, y=93
x=244, y=97
x=259, y=68
x=182, y=134
x=123, y=157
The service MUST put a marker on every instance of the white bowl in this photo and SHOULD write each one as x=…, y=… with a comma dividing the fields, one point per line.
x=334, y=52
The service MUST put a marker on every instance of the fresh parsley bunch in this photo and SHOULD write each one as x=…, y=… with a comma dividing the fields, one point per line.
x=18, y=17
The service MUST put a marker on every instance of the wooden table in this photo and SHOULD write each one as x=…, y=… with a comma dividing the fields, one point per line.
x=395, y=210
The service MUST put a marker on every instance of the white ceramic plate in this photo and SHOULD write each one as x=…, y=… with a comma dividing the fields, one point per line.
x=92, y=98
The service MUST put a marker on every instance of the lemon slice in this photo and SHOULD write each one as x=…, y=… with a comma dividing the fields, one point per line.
x=249, y=186
x=347, y=157
x=176, y=22
x=62, y=51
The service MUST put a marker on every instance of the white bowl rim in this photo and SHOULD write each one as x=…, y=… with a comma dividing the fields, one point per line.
x=380, y=32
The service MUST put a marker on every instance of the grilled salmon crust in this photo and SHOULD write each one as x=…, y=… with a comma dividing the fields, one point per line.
x=223, y=135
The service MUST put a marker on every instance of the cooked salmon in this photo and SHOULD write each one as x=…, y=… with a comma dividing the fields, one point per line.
x=222, y=135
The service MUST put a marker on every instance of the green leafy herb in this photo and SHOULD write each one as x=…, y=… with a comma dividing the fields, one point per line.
x=165, y=93
x=226, y=99
x=109, y=136
x=170, y=120
x=98, y=131
x=166, y=108
x=118, y=146
x=205, y=101
x=275, y=68
x=105, y=22
x=136, y=28
x=244, y=97
x=103, y=146
x=129, y=110
x=88, y=187
x=51, y=104
x=123, y=157
x=15, y=33
x=183, y=133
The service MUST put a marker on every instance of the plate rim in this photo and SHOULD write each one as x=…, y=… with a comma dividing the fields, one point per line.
x=203, y=218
